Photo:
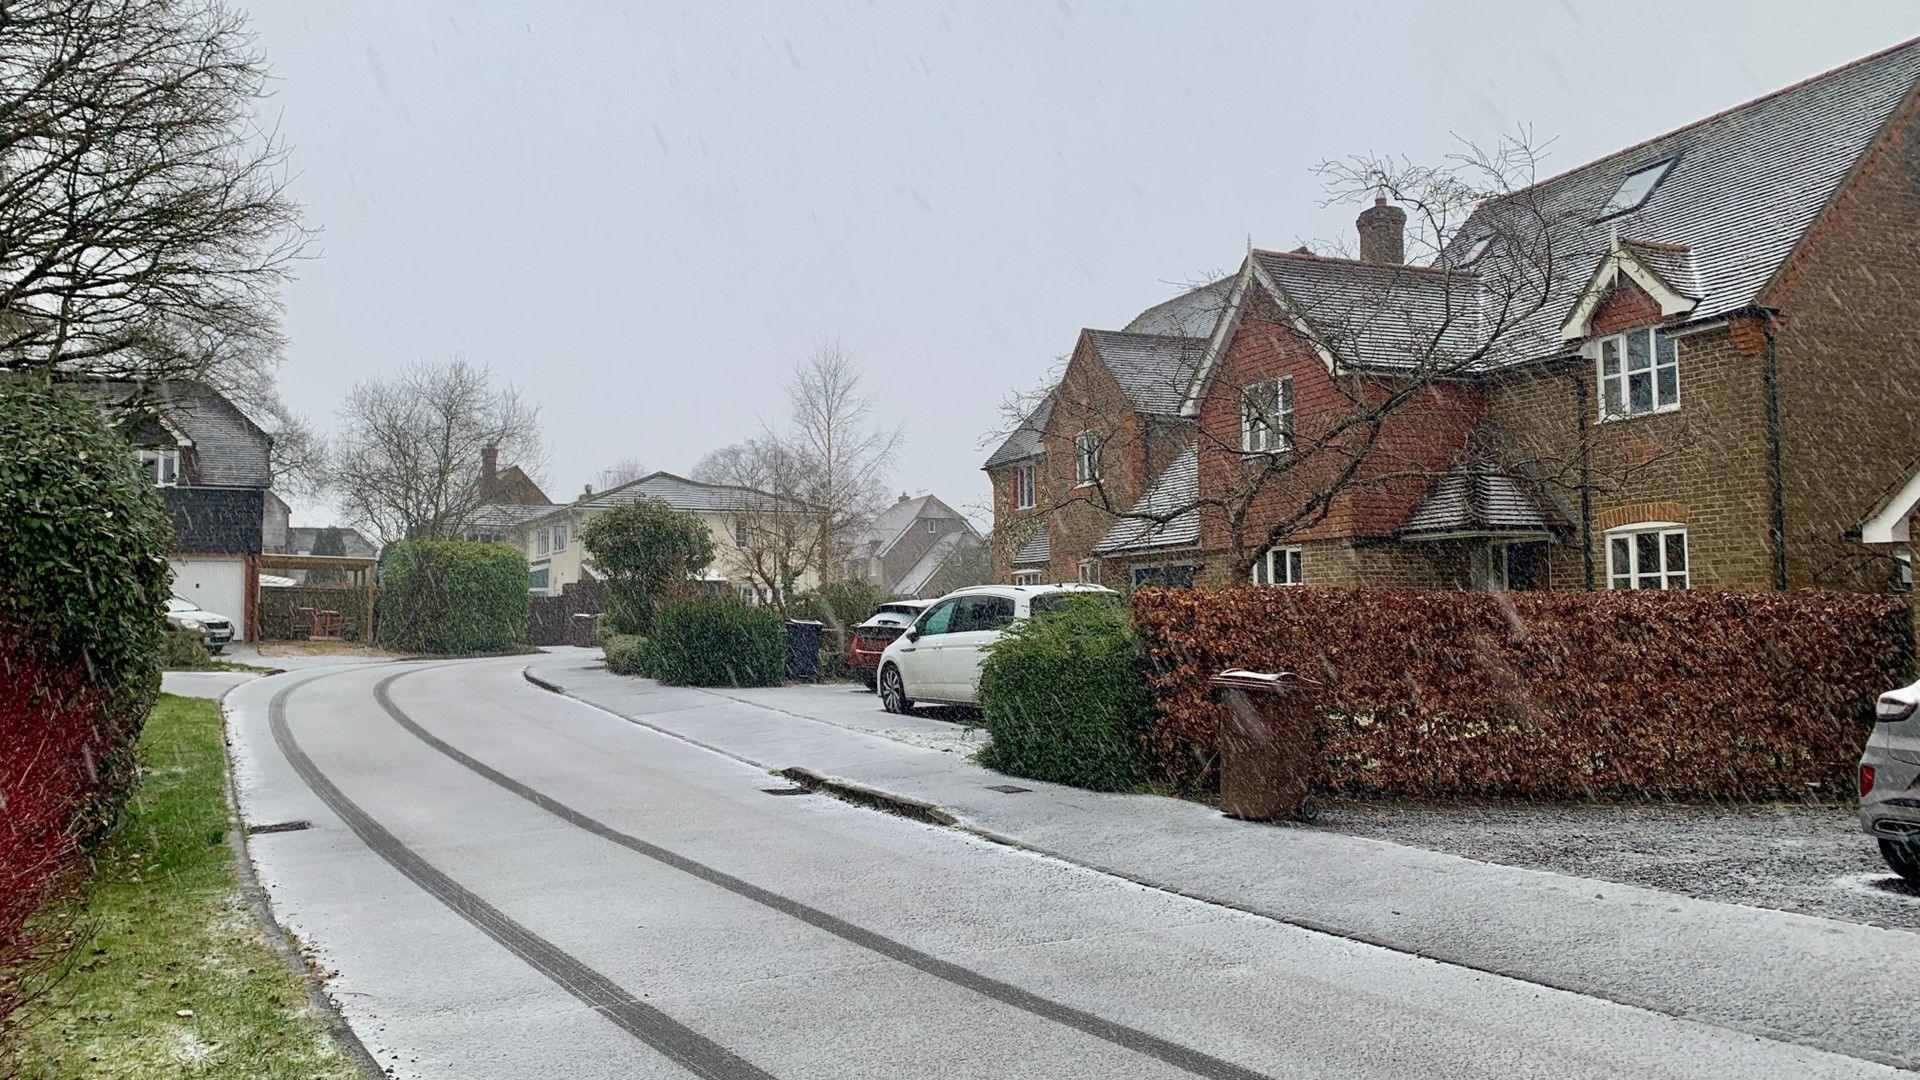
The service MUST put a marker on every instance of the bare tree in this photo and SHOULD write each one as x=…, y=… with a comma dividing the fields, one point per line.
x=776, y=532
x=408, y=449
x=1397, y=335
x=625, y=471
x=144, y=226
x=845, y=450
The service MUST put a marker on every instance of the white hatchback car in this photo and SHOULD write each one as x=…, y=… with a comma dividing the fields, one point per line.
x=937, y=661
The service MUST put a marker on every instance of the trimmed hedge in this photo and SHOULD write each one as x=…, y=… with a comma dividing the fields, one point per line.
x=624, y=652
x=715, y=641
x=1562, y=695
x=1066, y=699
x=184, y=651
x=83, y=569
x=452, y=597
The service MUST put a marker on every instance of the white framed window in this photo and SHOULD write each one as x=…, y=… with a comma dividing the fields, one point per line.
x=162, y=465
x=1023, y=487
x=1089, y=572
x=1651, y=555
x=1026, y=577
x=1086, y=457
x=560, y=537
x=1639, y=374
x=541, y=538
x=1279, y=566
x=1266, y=416
x=931, y=525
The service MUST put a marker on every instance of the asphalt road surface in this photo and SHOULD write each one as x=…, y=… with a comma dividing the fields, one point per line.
x=504, y=882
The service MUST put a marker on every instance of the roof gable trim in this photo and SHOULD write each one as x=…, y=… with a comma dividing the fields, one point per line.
x=1622, y=260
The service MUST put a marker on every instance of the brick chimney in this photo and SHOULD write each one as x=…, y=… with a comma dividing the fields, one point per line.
x=1383, y=233
x=489, y=469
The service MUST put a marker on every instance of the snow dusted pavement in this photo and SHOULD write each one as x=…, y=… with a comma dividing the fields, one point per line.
x=1783, y=976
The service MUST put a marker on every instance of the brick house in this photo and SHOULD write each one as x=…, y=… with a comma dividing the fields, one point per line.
x=919, y=547
x=1717, y=390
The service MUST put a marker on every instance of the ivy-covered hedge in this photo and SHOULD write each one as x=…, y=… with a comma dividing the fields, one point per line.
x=1566, y=695
x=83, y=568
x=452, y=597
x=1066, y=698
x=715, y=641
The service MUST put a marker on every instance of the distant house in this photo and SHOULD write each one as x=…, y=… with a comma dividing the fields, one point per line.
x=555, y=557
x=508, y=497
x=920, y=548
x=212, y=466
x=325, y=540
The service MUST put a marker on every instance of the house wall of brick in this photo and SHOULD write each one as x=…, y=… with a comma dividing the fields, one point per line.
x=1848, y=354
x=1078, y=515
x=1703, y=464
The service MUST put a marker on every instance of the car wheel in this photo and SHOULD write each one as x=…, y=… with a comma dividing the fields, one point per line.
x=1904, y=857
x=215, y=649
x=893, y=691
x=867, y=679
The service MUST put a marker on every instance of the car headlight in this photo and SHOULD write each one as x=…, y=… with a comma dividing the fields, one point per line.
x=190, y=624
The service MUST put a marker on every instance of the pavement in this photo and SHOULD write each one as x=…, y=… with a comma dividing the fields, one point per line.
x=1774, y=974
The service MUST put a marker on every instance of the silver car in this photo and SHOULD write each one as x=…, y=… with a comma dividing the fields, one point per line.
x=1890, y=781
x=187, y=617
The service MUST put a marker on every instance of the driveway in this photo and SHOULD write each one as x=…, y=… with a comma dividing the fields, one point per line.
x=511, y=883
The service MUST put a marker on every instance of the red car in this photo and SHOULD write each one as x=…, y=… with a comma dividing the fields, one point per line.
x=872, y=637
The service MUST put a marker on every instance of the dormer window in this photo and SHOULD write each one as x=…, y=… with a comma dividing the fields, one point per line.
x=1266, y=417
x=1639, y=374
x=162, y=465
x=1086, y=458
x=1635, y=188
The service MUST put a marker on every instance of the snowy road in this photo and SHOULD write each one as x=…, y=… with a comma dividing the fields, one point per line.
x=510, y=883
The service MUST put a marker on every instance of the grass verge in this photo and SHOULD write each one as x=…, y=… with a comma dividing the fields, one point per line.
x=178, y=979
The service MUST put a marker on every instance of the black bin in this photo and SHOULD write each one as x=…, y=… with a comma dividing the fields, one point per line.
x=803, y=648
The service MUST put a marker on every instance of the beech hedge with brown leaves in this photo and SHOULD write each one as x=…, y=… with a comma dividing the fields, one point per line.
x=1549, y=695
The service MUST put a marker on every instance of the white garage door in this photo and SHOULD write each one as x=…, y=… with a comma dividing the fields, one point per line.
x=217, y=585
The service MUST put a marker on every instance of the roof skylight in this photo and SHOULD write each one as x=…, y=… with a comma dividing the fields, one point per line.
x=1475, y=252
x=1636, y=187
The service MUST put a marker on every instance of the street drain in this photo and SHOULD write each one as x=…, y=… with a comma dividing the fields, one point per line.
x=1009, y=789
x=279, y=826
x=787, y=790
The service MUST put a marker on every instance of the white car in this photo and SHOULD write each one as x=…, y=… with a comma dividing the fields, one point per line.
x=188, y=617
x=937, y=661
x=1890, y=781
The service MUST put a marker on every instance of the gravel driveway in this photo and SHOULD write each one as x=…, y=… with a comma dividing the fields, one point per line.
x=1805, y=857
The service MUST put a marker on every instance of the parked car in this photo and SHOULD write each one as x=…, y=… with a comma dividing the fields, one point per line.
x=871, y=638
x=188, y=617
x=937, y=660
x=1890, y=781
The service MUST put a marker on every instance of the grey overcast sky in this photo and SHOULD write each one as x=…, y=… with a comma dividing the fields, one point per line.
x=642, y=214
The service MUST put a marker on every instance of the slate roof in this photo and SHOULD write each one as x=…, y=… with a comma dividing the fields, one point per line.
x=896, y=521
x=1745, y=185
x=684, y=494
x=1036, y=552
x=1478, y=499
x=915, y=580
x=1379, y=315
x=300, y=540
x=1178, y=486
x=1191, y=314
x=1024, y=442
x=1153, y=371
x=229, y=449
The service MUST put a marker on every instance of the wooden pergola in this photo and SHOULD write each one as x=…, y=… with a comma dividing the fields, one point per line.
x=361, y=567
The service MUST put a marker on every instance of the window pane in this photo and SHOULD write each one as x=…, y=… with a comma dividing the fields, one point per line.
x=1676, y=581
x=1619, y=557
x=1621, y=583
x=1639, y=358
x=1610, y=357
x=1646, y=553
x=1676, y=551
x=1616, y=405
x=1669, y=385
x=1666, y=350
x=1293, y=567
x=938, y=618
x=1640, y=392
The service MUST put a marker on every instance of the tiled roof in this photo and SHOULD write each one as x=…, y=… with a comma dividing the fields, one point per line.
x=1745, y=185
x=896, y=521
x=1378, y=315
x=684, y=494
x=1037, y=551
x=1191, y=314
x=506, y=515
x=229, y=449
x=1024, y=442
x=1478, y=499
x=915, y=580
x=1153, y=371
x=1177, y=487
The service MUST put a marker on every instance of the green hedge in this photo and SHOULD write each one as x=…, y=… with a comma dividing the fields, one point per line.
x=83, y=564
x=624, y=653
x=1066, y=699
x=715, y=641
x=452, y=596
